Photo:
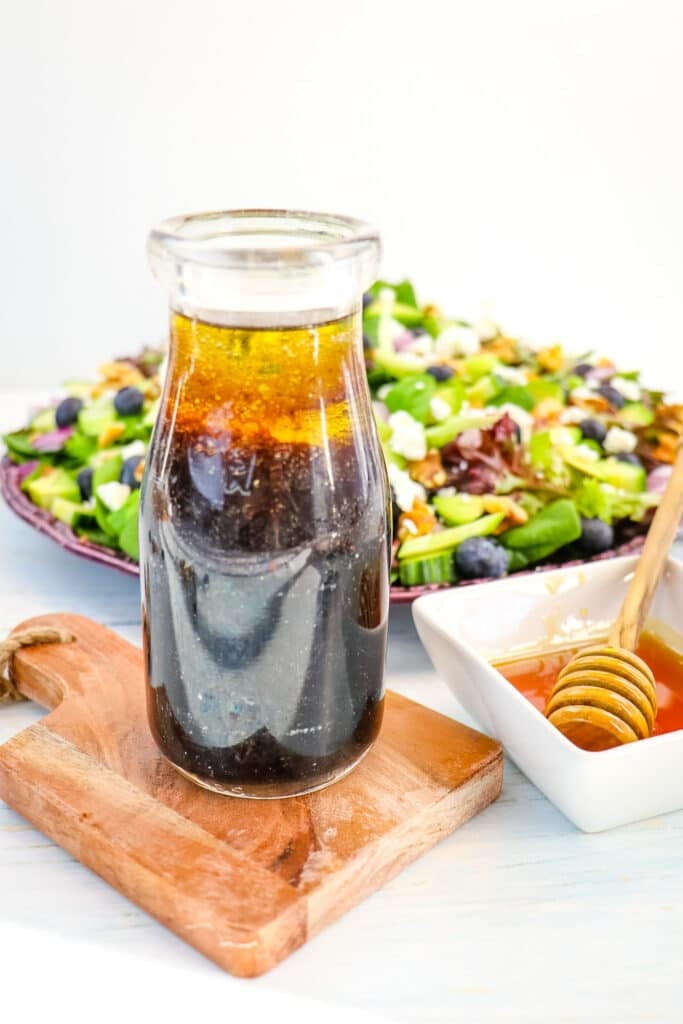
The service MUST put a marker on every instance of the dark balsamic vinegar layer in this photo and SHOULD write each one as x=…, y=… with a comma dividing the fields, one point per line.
x=265, y=605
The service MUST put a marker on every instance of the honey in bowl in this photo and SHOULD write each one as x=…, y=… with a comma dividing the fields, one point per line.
x=534, y=675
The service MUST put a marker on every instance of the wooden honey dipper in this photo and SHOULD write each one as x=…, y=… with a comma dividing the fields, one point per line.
x=605, y=695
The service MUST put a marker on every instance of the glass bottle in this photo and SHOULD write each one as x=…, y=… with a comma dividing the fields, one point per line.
x=264, y=544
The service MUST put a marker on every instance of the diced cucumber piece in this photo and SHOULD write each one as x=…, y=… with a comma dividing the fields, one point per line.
x=44, y=422
x=92, y=419
x=398, y=365
x=70, y=512
x=475, y=367
x=98, y=458
x=443, y=433
x=565, y=435
x=433, y=569
x=484, y=391
x=458, y=509
x=448, y=540
x=107, y=471
x=623, y=475
x=541, y=389
x=78, y=388
x=55, y=484
x=635, y=414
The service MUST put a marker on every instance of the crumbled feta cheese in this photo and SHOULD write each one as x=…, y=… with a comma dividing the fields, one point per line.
x=619, y=441
x=457, y=340
x=585, y=451
x=572, y=415
x=423, y=345
x=628, y=388
x=405, y=490
x=522, y=418
x=408, y=436
x=113, y=494
x=439, y=408
x=409, y=526
x=511, y=374
x=134, y=448
x=487, y=328
x=582, y=393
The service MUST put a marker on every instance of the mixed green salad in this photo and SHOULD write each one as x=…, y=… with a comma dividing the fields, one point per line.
x=500, y=456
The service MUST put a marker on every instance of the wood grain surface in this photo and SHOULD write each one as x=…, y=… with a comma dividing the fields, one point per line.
x=246, y=882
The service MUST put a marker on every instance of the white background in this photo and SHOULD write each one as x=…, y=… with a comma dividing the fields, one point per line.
x=526, y=154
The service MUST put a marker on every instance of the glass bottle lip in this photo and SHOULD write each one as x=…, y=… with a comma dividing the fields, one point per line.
x=247, y=238
x=264, y=267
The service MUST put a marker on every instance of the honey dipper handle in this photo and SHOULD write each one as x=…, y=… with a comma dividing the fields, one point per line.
x=626, y=630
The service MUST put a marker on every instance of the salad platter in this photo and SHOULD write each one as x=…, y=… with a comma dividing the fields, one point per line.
x=502, y=458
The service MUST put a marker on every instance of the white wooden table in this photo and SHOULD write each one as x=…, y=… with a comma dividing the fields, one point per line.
x=516, y=917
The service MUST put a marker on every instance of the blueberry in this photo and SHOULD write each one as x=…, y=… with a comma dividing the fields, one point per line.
x=596, y=536
x=67, y=411
x=614, y=397
x=128, y=471
x=479, y=558
x=440, y=373
x=84, y=481
x=129, y=401
x=629, y=457
x=593, y=430
x=582, y=369
x=367, y=300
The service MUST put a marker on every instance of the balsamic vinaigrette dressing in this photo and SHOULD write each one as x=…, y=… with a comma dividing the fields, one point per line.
x=265, y=588
x=534, y=676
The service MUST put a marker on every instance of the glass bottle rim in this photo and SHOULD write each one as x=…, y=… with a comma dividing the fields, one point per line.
x=246, y=239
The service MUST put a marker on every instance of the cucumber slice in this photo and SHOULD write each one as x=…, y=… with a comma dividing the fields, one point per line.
x=433, y=569
x=448, y=540
x=459, y=509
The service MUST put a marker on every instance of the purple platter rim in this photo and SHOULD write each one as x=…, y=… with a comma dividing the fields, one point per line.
x=11, y=476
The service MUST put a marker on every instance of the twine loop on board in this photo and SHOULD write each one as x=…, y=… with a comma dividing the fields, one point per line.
x=9, y=647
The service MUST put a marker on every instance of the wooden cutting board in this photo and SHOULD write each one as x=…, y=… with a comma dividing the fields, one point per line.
x=244, y=881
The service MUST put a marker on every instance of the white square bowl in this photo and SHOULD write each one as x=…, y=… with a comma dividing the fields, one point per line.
x=465, y=629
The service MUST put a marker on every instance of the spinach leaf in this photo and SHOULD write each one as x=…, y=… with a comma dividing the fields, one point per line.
x=19, y=446
x=554, y=526
x=412, y=395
